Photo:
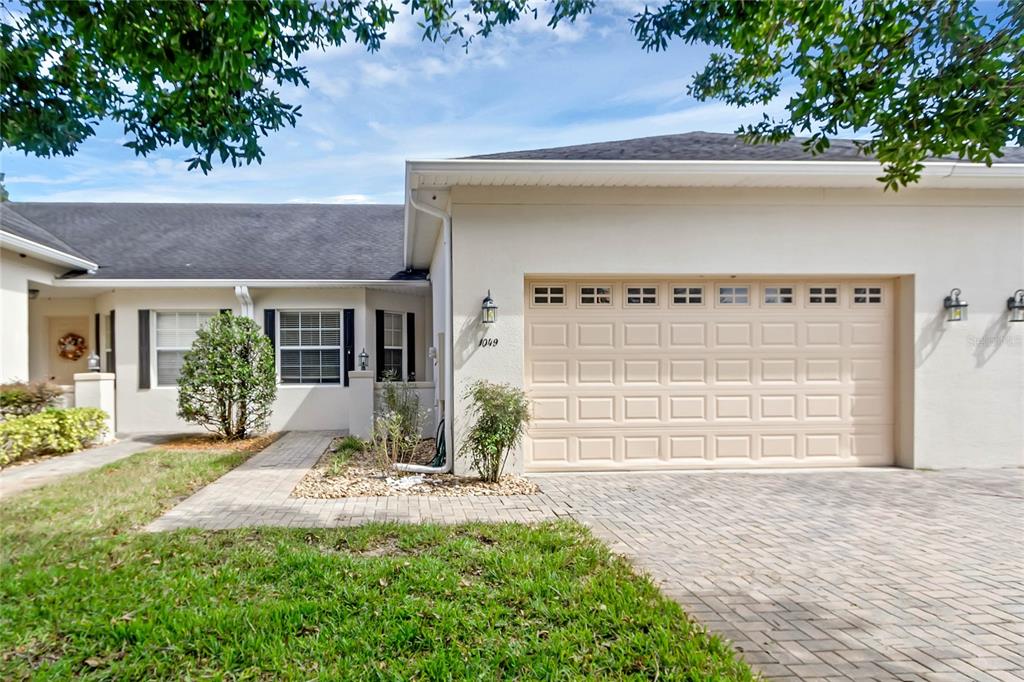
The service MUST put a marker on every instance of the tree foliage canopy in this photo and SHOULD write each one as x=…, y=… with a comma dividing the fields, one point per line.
x=916, y=78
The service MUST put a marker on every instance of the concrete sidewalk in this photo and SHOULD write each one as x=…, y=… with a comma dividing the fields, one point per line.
x=24, y=477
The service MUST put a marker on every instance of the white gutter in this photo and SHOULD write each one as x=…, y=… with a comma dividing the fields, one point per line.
x=449, y=407
x=245, y=299
x=45, y=253
x=86, y=282
x=449, y=172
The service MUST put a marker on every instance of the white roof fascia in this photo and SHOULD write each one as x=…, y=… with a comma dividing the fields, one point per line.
x=43, y=252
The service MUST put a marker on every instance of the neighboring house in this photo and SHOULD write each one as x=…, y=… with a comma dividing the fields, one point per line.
x=669, y=302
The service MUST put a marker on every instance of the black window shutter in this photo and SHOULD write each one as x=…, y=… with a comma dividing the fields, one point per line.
x=348, y=329
x=410, y=343
x=111, y=343
x=380, y=345
x=269, y=328
x=144, y=363
x=96, y=334
x=225, y=310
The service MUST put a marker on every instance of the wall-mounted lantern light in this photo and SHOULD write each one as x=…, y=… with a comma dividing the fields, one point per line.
x=1015, y=304
x=956, y=308
x=489, y=309
x=364, y=360
x=93, y=363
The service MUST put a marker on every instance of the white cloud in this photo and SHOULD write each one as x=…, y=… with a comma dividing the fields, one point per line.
x=376, y=74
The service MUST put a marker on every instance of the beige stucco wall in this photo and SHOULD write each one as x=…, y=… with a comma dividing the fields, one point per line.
x=49, y=317
x=16, y=273
x=298, y=407
x=961, y=386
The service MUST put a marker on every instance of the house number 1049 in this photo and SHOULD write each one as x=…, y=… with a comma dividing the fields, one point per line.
x=488, y=343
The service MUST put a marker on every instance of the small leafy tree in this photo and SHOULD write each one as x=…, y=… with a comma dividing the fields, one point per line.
x=499, y=413
x=228, y=383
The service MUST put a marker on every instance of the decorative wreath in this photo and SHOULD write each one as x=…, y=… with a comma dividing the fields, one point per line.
x=71, y=346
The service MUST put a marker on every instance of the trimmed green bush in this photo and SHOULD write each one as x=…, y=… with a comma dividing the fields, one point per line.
x=228, y=382
x=52, y=431
x=19, y=398
x=499, y=412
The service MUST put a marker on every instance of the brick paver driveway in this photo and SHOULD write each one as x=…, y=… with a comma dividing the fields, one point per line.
x=846, y=575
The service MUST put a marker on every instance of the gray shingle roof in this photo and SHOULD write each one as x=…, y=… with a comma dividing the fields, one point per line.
x=701, y=146
x=230, y=241
x=18, y=225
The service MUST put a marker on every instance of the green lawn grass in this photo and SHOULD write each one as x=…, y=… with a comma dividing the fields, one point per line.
x=83, y=592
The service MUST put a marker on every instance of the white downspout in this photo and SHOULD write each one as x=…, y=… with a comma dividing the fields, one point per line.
x=245, y=300
x=449, y=388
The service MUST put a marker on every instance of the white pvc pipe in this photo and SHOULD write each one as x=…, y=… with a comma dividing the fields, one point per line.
x=447, y=369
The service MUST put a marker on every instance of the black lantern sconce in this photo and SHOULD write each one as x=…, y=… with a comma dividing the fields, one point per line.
x=364, y=360
x=1015, y=304
x=956, y=308
x=488, y=309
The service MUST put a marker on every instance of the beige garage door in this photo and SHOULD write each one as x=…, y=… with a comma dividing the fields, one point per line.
x=648, y=374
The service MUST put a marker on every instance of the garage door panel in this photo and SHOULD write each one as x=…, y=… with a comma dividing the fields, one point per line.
x=733, y=335
x=641, y=371
x=595, y=372
x=687, y=335
x=712, y=385
x=595, y=335
x=544, y=335
x=686, y=371
x=733, y=371
x=646, y=335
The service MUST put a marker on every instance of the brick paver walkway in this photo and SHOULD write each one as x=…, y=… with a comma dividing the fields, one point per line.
x=840, y=575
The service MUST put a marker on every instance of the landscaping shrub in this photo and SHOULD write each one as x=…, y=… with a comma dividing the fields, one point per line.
x=20, y=398
x=52, y=431
x=397, y=424
x=228, y=383
x=499, y=413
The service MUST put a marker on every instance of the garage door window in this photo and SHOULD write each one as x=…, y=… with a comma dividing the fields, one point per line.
x=778, y=295
x=734, y=295
x=685, y=295
x=549, y=295
x=822, y=295
x=867, y=295
x=641, y=295
x=596, y=295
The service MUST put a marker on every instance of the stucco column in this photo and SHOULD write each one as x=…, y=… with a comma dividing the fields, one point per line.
x=360, y=417
x=96, y=389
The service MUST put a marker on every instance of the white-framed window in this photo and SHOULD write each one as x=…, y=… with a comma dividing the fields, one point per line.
x=687, y=294
x=549, y=294
x=596, y=294
x=778, y=295
x=393, y=362
x=309, y=346
x=642, y=294
x=733, y=295
x=175, y=332
x=823, y=294
x=867, y=295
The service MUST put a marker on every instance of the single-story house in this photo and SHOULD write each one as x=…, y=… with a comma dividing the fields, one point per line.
x=682, y=301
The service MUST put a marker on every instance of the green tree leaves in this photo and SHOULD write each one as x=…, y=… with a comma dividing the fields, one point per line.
x=915, y=78
x=228, y=382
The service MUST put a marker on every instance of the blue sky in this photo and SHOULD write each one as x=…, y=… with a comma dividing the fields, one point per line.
x=365, y=114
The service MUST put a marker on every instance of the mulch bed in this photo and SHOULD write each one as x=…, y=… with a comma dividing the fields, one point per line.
x=212, y=442
x=359, y=476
